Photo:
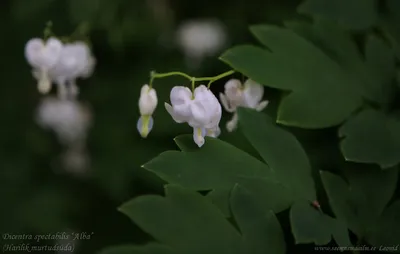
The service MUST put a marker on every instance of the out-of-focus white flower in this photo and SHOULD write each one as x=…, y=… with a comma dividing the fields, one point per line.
x=147, y=104
x=237, y=95
x=76, y=161
x=201, y=38
x=67, y=118
x=201, y=110
x=59, y=63
x=43, y=56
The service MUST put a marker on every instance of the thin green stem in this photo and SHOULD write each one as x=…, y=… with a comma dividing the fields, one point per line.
x=151, y=82
x=154, y=75
x=47, y=33
x=168, y=74
x=220, y=76
x=193, y=82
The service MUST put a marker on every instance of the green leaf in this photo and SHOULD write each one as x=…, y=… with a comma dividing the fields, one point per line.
x=185, y=221
x=387, y=230
x=372, y=77
x=260, y=228
x=353, y=14
x=380, y=60
x=341, y=200
x=218, y=166
x=316, y=81
x=371, y=137
x=310, y=225
x=220, y=198
x=151, y=248
x=361, y=202
x=274, y=145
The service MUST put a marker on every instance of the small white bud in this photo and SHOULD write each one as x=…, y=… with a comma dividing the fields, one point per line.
x=147, y=101
x=147, y=104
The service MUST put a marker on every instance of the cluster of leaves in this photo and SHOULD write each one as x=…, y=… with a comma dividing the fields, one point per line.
x=334, y=71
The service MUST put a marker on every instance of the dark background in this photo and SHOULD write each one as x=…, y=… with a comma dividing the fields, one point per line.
x=38, y=195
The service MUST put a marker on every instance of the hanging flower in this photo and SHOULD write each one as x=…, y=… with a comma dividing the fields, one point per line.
x=201, y=110
x=62, y=64
x=75, y=61
x=67, y=118
x=237, y=95
x=43, y=56
x=147, y=104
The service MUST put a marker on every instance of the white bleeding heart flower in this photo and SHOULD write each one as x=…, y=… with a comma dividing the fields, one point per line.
x=43, y=56
x=75, y=61
x=147, y=104
x=201, y=38
x=253, y=94
x=67, y=118
x=201, y=110
x=232, y=96
x=54, y=62
x=248, y=95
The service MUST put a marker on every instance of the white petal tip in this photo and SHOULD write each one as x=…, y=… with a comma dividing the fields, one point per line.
x=231, y=126
x=262, y=105
x=198, y=136
x=145, y=125
x=44, y=86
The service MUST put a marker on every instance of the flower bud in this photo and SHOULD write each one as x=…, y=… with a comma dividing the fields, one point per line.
x=147, y=104
x=147, y=101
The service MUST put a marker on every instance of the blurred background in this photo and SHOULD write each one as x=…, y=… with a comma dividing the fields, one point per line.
x=42, y=191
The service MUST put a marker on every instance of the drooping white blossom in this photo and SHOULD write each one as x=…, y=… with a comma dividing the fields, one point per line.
x=75, y=62
x=62, y=64
x=43, y=56
x=147, y=104
x=236, y=94
x=67, y=118
x=201, y=110
x=201, y=38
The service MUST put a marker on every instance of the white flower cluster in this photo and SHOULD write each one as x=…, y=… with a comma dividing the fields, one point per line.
x=55, y=62
x=201, y=110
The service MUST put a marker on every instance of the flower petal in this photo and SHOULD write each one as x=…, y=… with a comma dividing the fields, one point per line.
x=145, y=125
x=176, y=117
x=253, y=93
x=200, y=115
x=147, y=101
x=180, y=95
x=214, y=132
x=224, y=102
x=232, y=124
x=262, y=105
x=198, y=136
x=44, y=83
